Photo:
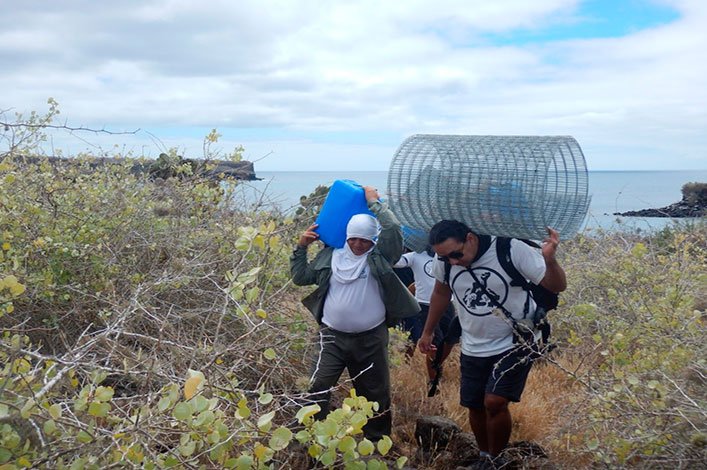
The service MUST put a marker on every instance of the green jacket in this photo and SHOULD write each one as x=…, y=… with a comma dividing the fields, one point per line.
x=398, y=301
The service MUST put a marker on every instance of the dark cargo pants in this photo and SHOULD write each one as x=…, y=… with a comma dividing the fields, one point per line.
x=365, y=356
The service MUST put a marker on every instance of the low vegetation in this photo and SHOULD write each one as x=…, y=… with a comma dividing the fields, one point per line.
x=152, y=324
x=695, y=193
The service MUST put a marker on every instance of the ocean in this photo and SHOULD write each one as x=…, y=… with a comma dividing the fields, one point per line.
x=610, y=191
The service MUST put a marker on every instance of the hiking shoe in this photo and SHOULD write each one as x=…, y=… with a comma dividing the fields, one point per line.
x=432, y=389
x=487, y=463
x=501, y=463
x=484, y=463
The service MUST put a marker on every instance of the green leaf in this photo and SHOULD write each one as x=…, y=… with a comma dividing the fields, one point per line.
x=252, y=294
x=243, y=410
x=243, y=413
x=99, y=410
x=280, y=438
x=306, y=412
x=49, y=427
x=384, y=445
x=214, y=438
x=171, y=461
x=376, y=464
x=5, y=455
x=244, y=462
x=188, y=448
x=265, y=421
x=104, y=393
x=200, y=403
x=366, y=447
x=84, y=437
x=358, y=421
x=265, y=398
x=269, y=354
x=182, y=411
x=347, y=444
x=204, y=418
x=250, y=276
x=242, y=244
x=164, y=403
x=328, y=457
x=55, y=411
x=262, y=453
x=352, y=463
x=78, y=464
x=400, y=463
x=328, y=428
x=314, y=451
x=217, y=452
x=27, y=409
x=98, y=376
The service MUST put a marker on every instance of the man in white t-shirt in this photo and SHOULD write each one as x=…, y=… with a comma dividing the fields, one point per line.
x=493, y=368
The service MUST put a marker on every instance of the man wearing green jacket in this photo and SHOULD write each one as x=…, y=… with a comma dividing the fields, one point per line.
x=357, y=297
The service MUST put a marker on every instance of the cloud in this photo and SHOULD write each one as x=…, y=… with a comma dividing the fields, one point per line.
x=363, y=67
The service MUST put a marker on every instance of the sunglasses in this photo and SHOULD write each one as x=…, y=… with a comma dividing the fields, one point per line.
x=458, y=254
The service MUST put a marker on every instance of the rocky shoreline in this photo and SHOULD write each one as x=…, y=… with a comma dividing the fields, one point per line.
x=693, y=204
x=676, y=210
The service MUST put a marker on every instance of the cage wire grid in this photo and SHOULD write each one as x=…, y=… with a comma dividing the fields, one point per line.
x=512, y=186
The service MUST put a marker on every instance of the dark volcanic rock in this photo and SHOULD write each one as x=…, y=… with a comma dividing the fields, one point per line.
x=435, y=432
x=443, y=444
x=692, y=204
x=678, y=210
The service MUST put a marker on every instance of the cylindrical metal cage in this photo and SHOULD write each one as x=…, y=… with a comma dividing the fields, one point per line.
x=511, y=186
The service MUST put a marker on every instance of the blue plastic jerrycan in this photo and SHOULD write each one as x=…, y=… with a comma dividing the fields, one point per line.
x=346, y=198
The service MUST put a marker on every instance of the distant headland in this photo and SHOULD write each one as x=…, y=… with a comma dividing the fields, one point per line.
x=693, y=204
x=165, y=166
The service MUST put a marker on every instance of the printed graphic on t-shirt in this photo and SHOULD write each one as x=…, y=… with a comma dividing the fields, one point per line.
x=428, y=268
x=474, y=299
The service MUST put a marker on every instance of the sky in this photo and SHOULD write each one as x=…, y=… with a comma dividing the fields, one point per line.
x=338, y=85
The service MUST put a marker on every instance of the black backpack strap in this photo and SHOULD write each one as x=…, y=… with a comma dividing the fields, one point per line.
x=503, y=252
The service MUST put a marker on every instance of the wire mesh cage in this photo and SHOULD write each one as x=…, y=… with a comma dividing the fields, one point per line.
x=511, y=186
x=415, y=239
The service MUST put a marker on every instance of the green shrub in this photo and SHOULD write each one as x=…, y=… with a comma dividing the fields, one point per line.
x=151, y=324
x=634, y=314
x=695, y=193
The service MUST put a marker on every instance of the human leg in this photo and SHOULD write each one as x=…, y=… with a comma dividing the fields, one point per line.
x=369, y=368
x=475, y=372
x=477, y=420
x=498, y=423
x=505, y=384
x=329, y=362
